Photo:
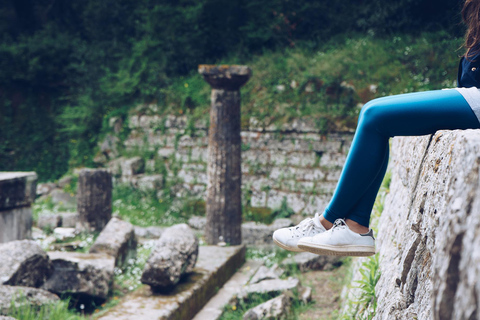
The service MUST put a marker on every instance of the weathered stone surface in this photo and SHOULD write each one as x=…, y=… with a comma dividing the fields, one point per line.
x=45, y=188
x=22, y=296
x=62, y=199
x=63, y=234
x=309, y=261
x=15, y=224
x=197, y=222
x=428, y=236
x=305, y=294
x=269, y=286
x=276, y=308
x=152, y=232
x=81, y=274
x=69, y=219
x=6, y=318
x=23, y=263
x=94, y=199
x=49, y=221
x=64, y=181
x=174, y=255
x=264, y=273
x=17, y=189
x=260, y=234
x=118, y=240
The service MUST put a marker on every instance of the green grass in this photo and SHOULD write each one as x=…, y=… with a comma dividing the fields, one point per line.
x=55, y=311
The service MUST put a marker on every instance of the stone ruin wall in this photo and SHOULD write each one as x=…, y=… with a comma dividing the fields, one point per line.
x=294, y=162
x=429, y=232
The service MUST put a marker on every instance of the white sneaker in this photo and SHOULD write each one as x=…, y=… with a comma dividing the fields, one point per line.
x=340, y=241
x=287, y=238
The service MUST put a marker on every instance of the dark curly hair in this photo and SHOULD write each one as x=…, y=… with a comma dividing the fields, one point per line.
x=471, y=17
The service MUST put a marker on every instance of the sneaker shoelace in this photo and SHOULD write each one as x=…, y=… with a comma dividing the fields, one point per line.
x=339, y=224
x=305, y=226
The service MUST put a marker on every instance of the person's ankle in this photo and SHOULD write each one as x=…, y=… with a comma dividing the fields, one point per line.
x=325, y=223
x=356, y=227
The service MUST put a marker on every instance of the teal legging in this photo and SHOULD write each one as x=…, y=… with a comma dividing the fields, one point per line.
x=412, y=114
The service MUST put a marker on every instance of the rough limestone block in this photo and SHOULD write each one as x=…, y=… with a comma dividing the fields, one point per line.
x=17, y=189
x=197, y=222
x=49, y=221
x=264, y=273
x=94, y=198
x=81, y=274
x=62, y=199
x=309, y=261
x=269, y=286
x=21, y=296
x=276, y=308
x=69, y=219
x=132, y=166
x=15, y=224
x=23, y=263
x=174, y=255
x=152, y=232
x=118, y=240
x=260, y=234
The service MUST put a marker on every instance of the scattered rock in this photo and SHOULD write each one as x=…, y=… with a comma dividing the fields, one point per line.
x=45, y=188
x=276, y=308
x=63, y=234
x=305, y=294
x=264, y=273
x=146, y=183
x=174, y=255
x=62, y=199
x=7, y=318
x=270, y=286
x=23, y=296
x=24, y=263
x=152, y=232
x=197, y=222
x=69, y=219
x=118, y=240
x=17, y=189
x=63, y=182
x=81, y=274
x=49, y=221
x=309, y=261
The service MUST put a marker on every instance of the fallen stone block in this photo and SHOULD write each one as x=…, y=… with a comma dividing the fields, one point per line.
x=197, y=222
x=132, y=166
x=24, y=263
x=269, y=286
x=15, y=224
x=173, y=255
x=69, y=219
x=21, y=296
x=276, y=308
x=264, y=273
x=118, y=240
x=45, y=188
x=7, y=318
x=17, y=189
x=309, y=261
x=63, y=234
x=152, y=232
x=81, y=274
x=49, y=221
x=62, y=199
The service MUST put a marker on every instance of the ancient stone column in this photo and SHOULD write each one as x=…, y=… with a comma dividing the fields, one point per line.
x=224, y=208
x=17, y=193
x=94, y=198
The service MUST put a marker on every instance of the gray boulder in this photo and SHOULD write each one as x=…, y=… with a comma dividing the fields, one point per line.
x=81, y=274
x=269, y=286
x=69, y=219
x=118, y=240
x=276, y=308
x=149, y=232
x=132, y=166
x=264, y=273
x=309, y=261
x=24, y=263
x=23, y=296
x=17, y=189
x=49, y=221
x=62, y=199
x=197, y=222
x=174, y=255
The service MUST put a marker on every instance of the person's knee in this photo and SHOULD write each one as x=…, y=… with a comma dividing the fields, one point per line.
x=372, y=113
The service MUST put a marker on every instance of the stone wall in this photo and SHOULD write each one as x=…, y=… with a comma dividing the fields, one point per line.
x=292, y=162
x=429, y=232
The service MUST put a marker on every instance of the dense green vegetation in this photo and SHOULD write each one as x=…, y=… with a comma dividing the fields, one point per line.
x=68, y=65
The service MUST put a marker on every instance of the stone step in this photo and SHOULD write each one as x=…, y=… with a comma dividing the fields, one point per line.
x=214, y=308
x=215, y=265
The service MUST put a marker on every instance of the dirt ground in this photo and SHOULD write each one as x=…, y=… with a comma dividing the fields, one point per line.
x=327, y=287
